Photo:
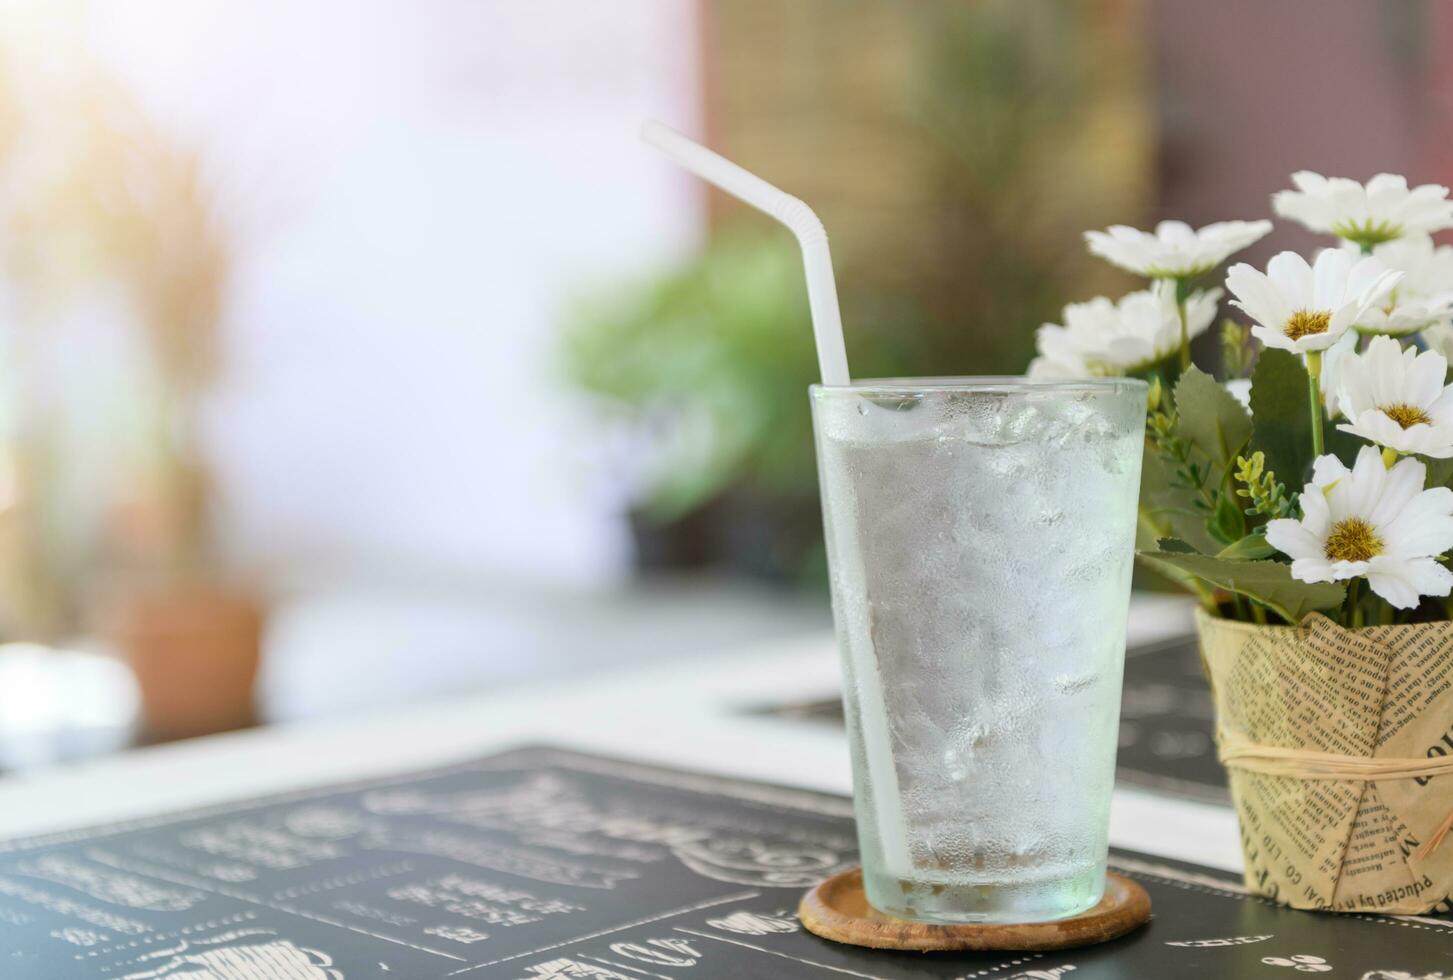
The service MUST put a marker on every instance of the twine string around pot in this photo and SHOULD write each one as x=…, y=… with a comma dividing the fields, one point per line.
x=1236, y=752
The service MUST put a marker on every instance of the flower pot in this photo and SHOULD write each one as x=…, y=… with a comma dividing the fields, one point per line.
x=1339, y=748
x=195, y=653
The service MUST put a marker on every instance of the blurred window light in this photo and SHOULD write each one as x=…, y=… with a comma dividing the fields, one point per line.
x=418, y=188
x=57, y=705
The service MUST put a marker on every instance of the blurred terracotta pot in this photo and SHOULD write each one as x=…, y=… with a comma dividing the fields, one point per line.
x=195, y=652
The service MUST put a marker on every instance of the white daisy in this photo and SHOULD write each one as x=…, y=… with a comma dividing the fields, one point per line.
x=1057, y=360
x=1396, y=398
x=1332, y=370
x=1370, y=214
x=1240, y=388
x=1371, y=521
x=1174, y=250
x=1104, y=338
x=1302, y=308
x=1440, y=338
x=1425, y=295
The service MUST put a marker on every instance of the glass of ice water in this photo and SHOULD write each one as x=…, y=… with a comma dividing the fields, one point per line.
x=980, y=536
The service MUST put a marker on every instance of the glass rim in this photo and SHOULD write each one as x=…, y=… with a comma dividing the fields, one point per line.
x=986, y=384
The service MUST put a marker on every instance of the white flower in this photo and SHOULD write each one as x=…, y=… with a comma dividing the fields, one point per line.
x=1371, y=521
x=1304, y=308
x=1058, y=361
x=1382, y=210
x=1332, y=371
x=1425, y=295
x=1240, y=388
x=1104, y=338
x=1174, y=250
x=1396, y=398
x=1440, y=338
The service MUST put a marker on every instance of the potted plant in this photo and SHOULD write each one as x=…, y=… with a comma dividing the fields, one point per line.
x=1305, y=500
x=118, y=236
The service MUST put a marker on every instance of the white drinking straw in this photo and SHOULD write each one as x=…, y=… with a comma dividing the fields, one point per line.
x=827, y=322
x=832, y=361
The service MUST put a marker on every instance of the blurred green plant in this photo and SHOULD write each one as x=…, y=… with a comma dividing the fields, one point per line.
x=1017, y=127
x=1034, y=137
x=710, y=362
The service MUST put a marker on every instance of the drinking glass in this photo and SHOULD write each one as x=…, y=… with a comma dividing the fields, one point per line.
x=980, y=535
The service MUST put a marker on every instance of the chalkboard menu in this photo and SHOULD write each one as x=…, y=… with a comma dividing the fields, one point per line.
x=1166, y=722
x=541, y=863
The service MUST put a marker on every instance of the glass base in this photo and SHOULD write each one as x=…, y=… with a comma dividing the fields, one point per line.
x=962, y=901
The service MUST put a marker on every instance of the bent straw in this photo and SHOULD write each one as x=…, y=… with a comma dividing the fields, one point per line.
x=832, y=361
x=827, y=324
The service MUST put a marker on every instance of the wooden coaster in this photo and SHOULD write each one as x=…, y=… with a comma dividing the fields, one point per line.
x=838, y=910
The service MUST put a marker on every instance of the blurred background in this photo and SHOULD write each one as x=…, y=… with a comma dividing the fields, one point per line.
x=357, y=352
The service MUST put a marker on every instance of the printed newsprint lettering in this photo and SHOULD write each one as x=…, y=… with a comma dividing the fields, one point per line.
x=1381, y=693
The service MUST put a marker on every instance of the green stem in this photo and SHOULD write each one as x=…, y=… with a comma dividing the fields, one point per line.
x=1243, y=612
x=1183, y=292
x=1314, y=396
x=1353, y=615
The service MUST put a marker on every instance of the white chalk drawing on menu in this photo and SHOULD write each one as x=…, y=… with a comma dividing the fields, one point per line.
x=325, y=822
x=1404, y=975
x=755, y=923
x=659, y=952
x=245, y=954
x=757, y=862
x=1231, y=941
x=568, y=969
x=250, y=840
x=109, y=885
x=519, y=861
x=61, y=905
x=1302, y=963
x=545, y=800
x=484, y=901
x=458, y=934
x=536, y=791
x=1044, y=973
x=581, y=846
x=79, y=937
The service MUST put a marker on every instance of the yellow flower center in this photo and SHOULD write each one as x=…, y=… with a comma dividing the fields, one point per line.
x=1303, y=323
x=1406, y=415
x=1353, y=539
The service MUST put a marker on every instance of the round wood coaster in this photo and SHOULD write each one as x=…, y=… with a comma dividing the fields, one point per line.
x=838, y=910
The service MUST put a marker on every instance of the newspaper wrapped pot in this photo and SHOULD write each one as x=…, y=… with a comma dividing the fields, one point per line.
x=1339, y=746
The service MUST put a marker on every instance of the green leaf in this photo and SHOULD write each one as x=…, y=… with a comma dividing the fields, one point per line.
x=1210, y=418
x=1250, y=547
x=1190, y=527
x=1440, y=472
x=1183, y=580
x=1344, y=445
x=1173, y=508
x=1283, y=426
x=1227, y=523
x=1268, y=582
